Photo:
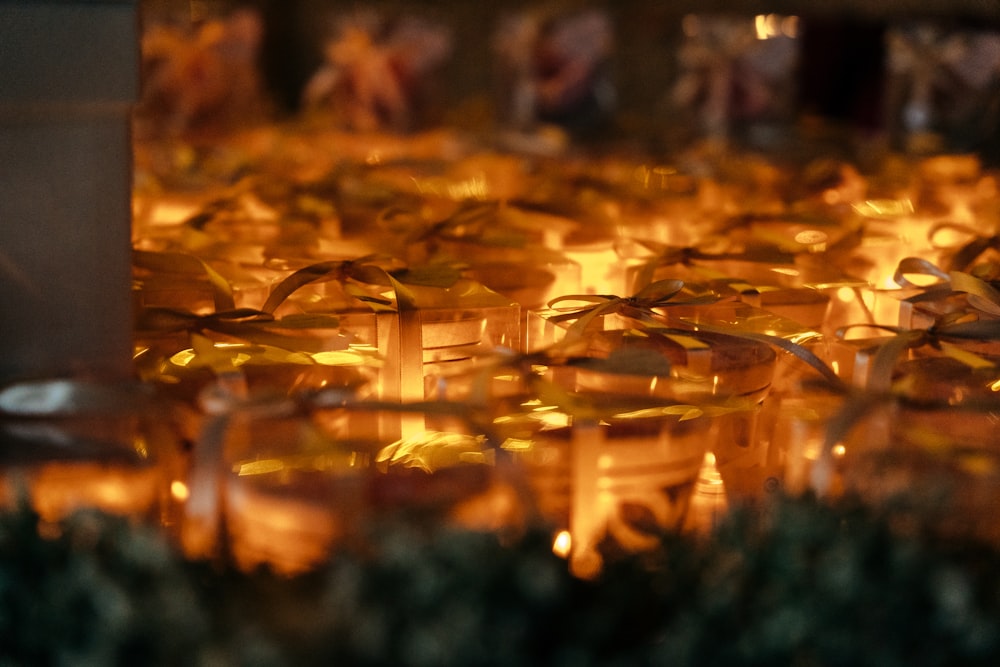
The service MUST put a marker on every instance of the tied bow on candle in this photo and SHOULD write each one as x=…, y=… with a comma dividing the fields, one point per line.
x=368, y=270
x=488, y=224
x=980, y=294
x=641, y=306
x=654, y=256
x=963, y=257
x=269, y=339
x=961, y=326
x=946, y=335
x=250, y=325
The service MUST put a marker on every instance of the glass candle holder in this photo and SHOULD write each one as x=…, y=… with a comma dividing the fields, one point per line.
x=736, y=369
x=72, y=445
x=612, y=442
x=283, y=484
x=793, y=428
x=613, y=483
x=288, y=494
x=929, y=455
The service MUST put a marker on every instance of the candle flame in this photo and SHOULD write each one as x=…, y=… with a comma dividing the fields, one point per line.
x=179, y=491
x=845, y=294
x=769, y=26
x=562, y=544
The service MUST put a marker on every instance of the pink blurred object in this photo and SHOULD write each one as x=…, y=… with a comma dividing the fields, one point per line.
x=375, y=69
x=200, y=78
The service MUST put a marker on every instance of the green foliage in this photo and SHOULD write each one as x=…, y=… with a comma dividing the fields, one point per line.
x=798, y=583
x=101, y=592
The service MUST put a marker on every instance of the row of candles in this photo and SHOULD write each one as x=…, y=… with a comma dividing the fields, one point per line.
x=330, y=326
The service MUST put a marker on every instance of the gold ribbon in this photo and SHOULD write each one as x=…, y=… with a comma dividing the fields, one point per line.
x=489, y=224
x=980, y=294
x=963, y=257
x=348, y=273
x=955, y=326
x=938, y=336
x=176, y=262
x=919, y=266
x=258, y=326
x=797, y=350
x=669, y=255
x=253, y=326
x=640, y=306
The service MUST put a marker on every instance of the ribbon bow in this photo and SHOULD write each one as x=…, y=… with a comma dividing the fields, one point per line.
x=248, y=324
x=980, y=294
x=258, y=326
x=954, y=328
x=669, y=255
x=640, y=306
x=962, y=258
x=348, y=273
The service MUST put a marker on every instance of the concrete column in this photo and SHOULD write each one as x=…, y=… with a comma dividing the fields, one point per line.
x=68, y=80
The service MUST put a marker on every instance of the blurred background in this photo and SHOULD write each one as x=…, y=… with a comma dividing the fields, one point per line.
x=844, y=76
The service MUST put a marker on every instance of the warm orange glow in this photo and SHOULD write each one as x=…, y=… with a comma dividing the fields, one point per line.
x=475, y=187
x=814, y=239
x=600, y=269
x=167, y=213
x=709, y=474
x=179, y=491
x=58, y=490
x=259, y=467
x=885, y=208
x=563, y=544
x=790, y=26
x=769, y=26
x=766, y=26
x=690, y=25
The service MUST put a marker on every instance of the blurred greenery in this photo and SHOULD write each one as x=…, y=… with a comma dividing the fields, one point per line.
x=798, y=582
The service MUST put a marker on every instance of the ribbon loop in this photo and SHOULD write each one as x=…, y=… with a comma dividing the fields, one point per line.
x=641, y=306
x=961, y=258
